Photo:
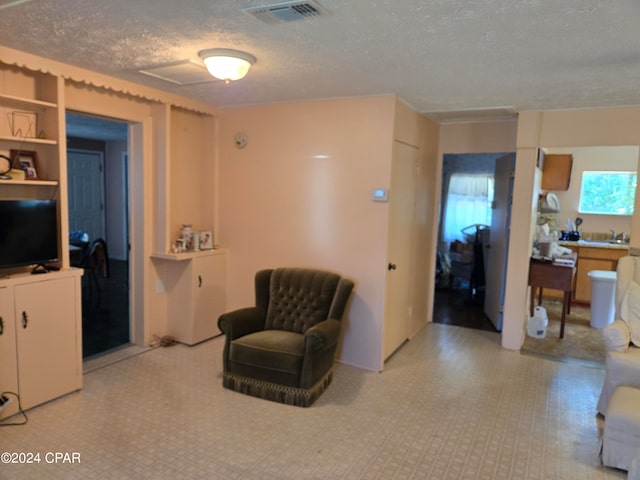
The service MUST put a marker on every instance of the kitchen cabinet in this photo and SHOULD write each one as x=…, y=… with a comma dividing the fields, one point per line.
x=195, y=284
x=42, y=332
x=594, y=258
x=556, y=171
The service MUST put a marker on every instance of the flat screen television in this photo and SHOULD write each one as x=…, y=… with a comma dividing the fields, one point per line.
x=28, y=232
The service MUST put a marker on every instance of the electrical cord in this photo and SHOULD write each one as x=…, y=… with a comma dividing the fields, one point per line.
x=4, y=400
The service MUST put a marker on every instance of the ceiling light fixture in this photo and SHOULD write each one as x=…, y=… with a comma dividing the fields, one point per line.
x=227, y=64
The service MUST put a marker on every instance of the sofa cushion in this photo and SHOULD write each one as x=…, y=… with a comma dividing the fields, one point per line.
x=630, y=311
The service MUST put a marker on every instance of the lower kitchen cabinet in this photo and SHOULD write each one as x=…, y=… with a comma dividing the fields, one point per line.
x=593, y=258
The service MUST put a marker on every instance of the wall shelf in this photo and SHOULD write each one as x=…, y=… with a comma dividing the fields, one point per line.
x=27, y=103
x=32, y=183
x=178, y=257
x=42, y=141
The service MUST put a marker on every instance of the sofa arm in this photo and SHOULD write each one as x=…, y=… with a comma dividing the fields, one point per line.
x=617, y=336
x=239, y=323
x=322, y=336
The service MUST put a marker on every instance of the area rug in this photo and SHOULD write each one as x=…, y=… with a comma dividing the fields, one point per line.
x=581, y=342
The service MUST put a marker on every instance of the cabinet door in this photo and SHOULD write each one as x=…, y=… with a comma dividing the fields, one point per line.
x=8, y=365
x=556, y=171
x=46, y=340
x=583, y=281
x=208, y=296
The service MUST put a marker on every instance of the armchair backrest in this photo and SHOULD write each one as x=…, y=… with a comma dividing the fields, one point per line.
x=299, y=298
x=628, y=270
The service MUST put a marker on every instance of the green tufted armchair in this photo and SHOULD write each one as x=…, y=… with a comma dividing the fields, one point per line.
x=283, y=349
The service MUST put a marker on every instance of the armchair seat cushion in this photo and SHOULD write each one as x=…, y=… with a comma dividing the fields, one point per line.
x=269, y=355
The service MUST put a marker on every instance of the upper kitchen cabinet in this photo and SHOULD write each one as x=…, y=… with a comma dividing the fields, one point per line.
x=556, y=170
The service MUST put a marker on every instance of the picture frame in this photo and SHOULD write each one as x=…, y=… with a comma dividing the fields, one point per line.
x=206, y=240
x=26, y=161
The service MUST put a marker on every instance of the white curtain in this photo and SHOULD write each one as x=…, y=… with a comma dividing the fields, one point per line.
x=469, y=201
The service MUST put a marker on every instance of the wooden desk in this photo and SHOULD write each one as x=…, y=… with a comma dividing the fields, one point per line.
x=557, y=277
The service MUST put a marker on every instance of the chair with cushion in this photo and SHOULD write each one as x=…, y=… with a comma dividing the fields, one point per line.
x=283, y=349
x=622, y=337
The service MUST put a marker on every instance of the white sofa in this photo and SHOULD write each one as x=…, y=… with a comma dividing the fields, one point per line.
x=622, y=337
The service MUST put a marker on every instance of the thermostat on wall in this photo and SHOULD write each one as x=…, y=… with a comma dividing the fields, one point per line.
x=380, y=195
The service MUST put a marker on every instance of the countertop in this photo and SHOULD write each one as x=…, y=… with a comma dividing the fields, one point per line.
x=595, y=244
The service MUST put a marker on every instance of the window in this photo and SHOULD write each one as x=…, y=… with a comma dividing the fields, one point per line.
x=469, y=200
x=608, y=193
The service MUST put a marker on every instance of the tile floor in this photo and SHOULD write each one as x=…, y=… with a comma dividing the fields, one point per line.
x=452, y=404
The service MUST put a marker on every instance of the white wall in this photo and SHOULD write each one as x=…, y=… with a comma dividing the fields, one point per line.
x=299, y=194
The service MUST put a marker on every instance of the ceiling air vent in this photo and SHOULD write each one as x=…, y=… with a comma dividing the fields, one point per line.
x=287, y=11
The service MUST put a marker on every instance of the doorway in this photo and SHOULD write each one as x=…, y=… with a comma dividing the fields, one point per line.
x=98, y=193
x=475, y=214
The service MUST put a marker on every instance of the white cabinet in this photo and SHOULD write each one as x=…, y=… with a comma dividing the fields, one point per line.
x=8, y=365
x=44, y=318
x=195, y=285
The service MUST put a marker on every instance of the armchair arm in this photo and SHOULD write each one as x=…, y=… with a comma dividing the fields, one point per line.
x=617, y=336
x=239, y=323
x=322, y=336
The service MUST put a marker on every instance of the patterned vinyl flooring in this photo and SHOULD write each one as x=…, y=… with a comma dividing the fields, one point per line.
x=451, y=404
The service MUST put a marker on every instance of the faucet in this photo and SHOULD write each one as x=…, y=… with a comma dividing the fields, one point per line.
x=613, y=235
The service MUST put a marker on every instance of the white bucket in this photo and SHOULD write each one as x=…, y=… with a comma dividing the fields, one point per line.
x=537, y=325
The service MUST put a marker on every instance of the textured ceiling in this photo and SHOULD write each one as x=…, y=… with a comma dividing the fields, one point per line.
x=437, y=55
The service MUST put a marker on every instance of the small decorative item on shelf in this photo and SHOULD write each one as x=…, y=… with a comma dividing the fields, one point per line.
x=178, y=247
x=195, y=241
x=206, y=240
x=186, y=234
x=26, y=161
x=16, y=174
x=5, y=167
x=24, y=124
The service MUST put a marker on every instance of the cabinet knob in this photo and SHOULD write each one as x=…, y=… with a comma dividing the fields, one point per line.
x=199, y=281
x=391, y=266
x=1, y=325
x=25, y=319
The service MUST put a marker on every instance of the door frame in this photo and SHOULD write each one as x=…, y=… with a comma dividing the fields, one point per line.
x=140, y=200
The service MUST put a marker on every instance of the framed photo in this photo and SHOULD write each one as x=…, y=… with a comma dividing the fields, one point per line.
x=26, y=161
x=206, y=241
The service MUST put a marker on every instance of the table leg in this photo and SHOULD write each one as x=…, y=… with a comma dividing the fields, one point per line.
x=532, y=296
x=565, y=304
x=540, y=297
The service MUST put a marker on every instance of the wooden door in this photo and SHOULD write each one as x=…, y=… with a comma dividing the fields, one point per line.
x=400, y=247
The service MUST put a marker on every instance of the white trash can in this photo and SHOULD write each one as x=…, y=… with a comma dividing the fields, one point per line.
x=603, y=287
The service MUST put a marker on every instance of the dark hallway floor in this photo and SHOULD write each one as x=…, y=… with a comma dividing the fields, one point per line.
x=450, y=308
x=105, y=310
